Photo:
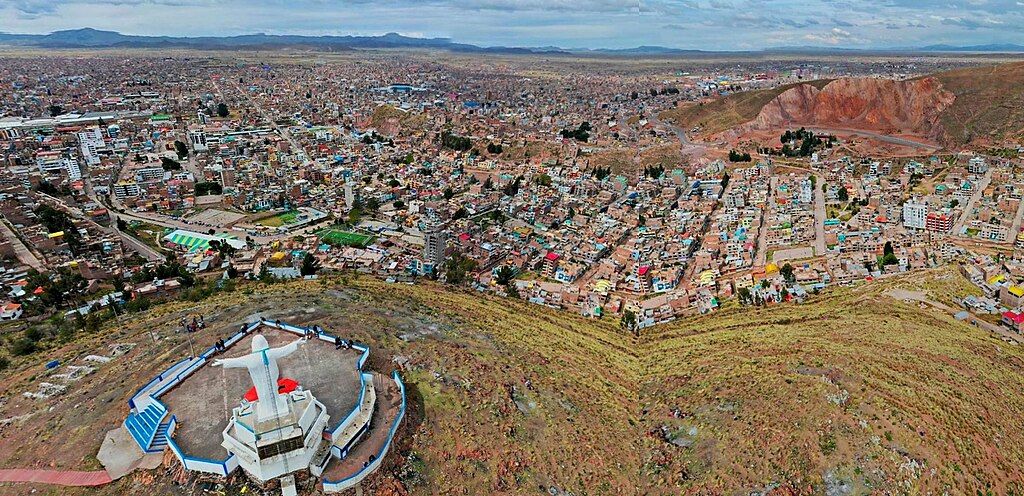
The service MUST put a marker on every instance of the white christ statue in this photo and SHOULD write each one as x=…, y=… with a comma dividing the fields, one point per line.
x=262, y=365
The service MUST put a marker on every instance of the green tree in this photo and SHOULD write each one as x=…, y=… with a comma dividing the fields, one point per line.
x=169, y=164
x=844, y=196
x=181, y=149
x=600, y=173
x=628, y=321
x=22, y=347
x=222, y=110
x=505, y=275
x=787, y=272
x=223, y=248
x=454, y=142
x=512, y=188
x=310, y=265
x=457, y=268
x=208, y=188
x=744, y=295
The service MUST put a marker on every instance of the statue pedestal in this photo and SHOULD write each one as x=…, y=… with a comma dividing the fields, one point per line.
x=275, y=439
x=279, y=407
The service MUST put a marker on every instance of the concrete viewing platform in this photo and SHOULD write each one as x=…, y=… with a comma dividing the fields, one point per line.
x=387, y=411
x=202, y=404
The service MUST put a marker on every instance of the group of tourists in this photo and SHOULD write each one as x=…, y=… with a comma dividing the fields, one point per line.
x=309, y=333
x=197, y=323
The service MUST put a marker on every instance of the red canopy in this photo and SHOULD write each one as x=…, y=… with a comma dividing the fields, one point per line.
x=284, y=385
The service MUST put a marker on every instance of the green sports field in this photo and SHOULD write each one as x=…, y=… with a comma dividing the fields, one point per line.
x=335, y=237
x=282, y=219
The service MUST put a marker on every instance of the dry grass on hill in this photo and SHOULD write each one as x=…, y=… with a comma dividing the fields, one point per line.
x=620, y=160
x=989, y=103
x=855, y=391
x=668, y=156
x=729, y=111
x=851, y=390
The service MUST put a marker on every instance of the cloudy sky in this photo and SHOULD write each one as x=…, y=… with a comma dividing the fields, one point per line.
x=697, y=24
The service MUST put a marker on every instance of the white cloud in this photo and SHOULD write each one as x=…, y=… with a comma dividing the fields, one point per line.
x=702, y=24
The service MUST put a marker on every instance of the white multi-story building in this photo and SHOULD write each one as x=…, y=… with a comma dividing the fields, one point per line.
x=198, y=140
x=915, y=214
x=58, y=163
x=977, y=165
x=806, y=192
x=125, y=190
x=148, y=174
x=91, y=142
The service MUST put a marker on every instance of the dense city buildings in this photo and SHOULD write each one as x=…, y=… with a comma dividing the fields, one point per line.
x=565, y=190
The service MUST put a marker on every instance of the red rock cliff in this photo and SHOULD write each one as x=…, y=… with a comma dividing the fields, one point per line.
x=879, y=105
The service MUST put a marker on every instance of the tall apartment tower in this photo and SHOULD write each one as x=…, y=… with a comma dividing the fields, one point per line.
x=436, y=243
x=350, y=197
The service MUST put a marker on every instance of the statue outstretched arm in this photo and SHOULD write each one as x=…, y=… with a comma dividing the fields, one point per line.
x=285, y=350
x=233, y=363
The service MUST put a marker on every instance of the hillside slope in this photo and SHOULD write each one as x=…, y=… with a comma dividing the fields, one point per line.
x=853, y=390
x=989, y=103
x=729, y=111
x=473, y=425
x=974, y=105
x=854, y=394
x=882, y=105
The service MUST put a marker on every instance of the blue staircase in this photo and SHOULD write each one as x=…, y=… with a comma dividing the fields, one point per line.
x=160, y=439
x=148, y=428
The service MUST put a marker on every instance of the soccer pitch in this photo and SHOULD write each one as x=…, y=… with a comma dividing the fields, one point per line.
x=336, y=237
x=282, y=219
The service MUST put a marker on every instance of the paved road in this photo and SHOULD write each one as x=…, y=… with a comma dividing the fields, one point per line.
x=761, y=256
x=904, y=294
x=263, y=112
x=969, y=208
x=680, y=132
x=819, y=221
x=880, y=137
x=145, y=250
x=1015, y=227
x=24, y=254
x=57, y=477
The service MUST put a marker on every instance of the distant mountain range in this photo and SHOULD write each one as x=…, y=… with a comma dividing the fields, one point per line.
x=94, y=38
x=994, y=47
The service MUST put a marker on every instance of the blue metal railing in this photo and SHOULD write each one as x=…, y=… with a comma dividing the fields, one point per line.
x=352, y=480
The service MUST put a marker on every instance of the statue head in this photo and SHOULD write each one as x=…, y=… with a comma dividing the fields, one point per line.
x=259, y=343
